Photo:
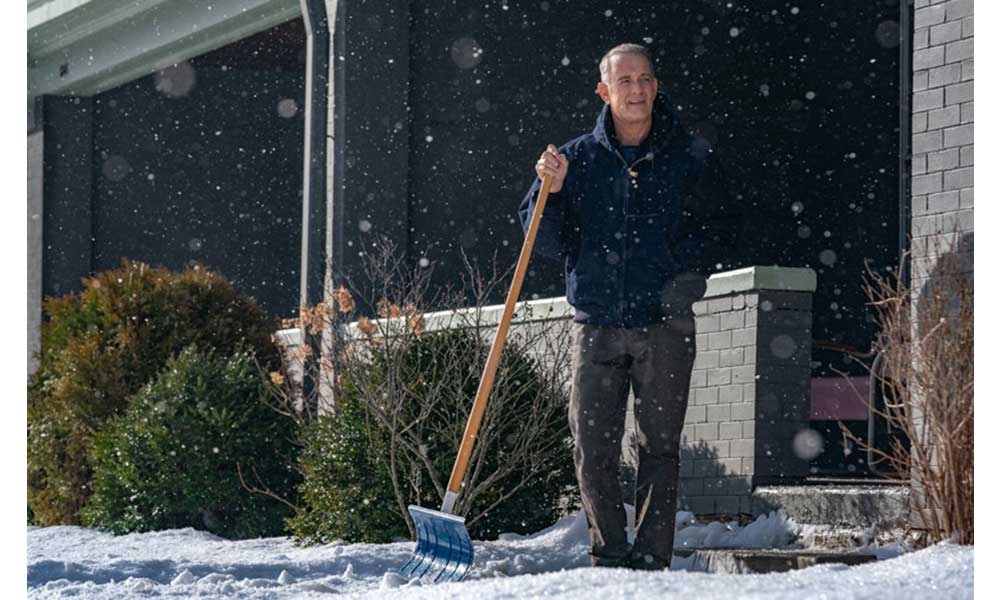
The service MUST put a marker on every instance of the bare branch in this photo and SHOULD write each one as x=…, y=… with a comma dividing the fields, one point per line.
x=265, y=491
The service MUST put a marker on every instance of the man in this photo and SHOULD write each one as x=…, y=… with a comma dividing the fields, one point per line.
x=638, y=215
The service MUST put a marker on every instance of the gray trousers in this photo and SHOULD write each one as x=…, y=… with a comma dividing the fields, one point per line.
x=656, y=361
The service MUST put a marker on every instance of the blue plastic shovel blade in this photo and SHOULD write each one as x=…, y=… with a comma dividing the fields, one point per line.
x=444, y=548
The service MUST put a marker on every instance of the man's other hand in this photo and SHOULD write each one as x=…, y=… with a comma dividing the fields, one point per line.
x=551, y=162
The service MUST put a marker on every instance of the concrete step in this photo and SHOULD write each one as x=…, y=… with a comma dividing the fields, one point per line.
x=877, y=507
x=842, y=516
x=765, y=560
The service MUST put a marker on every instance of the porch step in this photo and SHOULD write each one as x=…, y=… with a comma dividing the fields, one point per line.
x=877, y=507
x=753, y=560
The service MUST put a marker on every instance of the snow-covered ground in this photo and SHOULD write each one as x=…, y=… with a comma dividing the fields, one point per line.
x=85, y=563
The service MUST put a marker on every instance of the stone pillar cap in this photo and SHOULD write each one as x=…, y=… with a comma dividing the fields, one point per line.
x=789, y=279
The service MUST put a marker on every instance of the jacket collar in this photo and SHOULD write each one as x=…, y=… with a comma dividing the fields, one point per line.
x=664, y=123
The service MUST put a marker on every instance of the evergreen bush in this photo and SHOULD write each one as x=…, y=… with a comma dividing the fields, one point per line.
x=346, y=490
x=101, y=345
x=176, y=457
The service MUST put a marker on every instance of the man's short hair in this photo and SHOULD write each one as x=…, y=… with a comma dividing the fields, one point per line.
x=623, y=49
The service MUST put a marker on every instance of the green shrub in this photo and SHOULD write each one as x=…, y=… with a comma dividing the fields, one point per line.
x=347, y=488
x=171, y=460
x=100, y=346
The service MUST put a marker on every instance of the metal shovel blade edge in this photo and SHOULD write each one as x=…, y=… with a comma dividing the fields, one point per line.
x=444, y=548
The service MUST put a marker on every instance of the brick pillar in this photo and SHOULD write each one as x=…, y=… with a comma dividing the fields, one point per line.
x=942, y=143
x=942, y=184
x=749, y=388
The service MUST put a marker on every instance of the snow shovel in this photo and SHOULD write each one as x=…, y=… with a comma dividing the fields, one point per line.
x=444, y=548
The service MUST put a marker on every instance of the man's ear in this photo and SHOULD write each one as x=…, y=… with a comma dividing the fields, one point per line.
x=604, y=92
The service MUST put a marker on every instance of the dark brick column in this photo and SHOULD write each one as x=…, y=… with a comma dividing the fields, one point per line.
x=749, y=388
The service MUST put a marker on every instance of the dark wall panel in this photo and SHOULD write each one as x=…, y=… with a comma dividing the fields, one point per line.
x=371, y=56
x=202, y=162
x=66, y=193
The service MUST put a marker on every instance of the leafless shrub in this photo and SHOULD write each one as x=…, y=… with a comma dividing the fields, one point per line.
x=926, y=347
x=417, y=378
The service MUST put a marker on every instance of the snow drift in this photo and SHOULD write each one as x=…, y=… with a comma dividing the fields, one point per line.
x=553, y=563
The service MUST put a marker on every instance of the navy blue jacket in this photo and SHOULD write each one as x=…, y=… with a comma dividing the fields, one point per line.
x=637, y=240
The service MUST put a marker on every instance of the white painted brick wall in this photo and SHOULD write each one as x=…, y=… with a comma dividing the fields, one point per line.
x=943, y=120
x=943, y=146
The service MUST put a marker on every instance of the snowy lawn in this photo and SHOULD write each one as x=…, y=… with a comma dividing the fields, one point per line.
x=84, y=563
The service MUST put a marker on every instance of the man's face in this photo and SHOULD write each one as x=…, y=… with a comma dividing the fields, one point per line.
x=630, y=88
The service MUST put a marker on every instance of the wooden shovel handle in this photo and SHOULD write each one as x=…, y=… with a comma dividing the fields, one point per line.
x=493, y=361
